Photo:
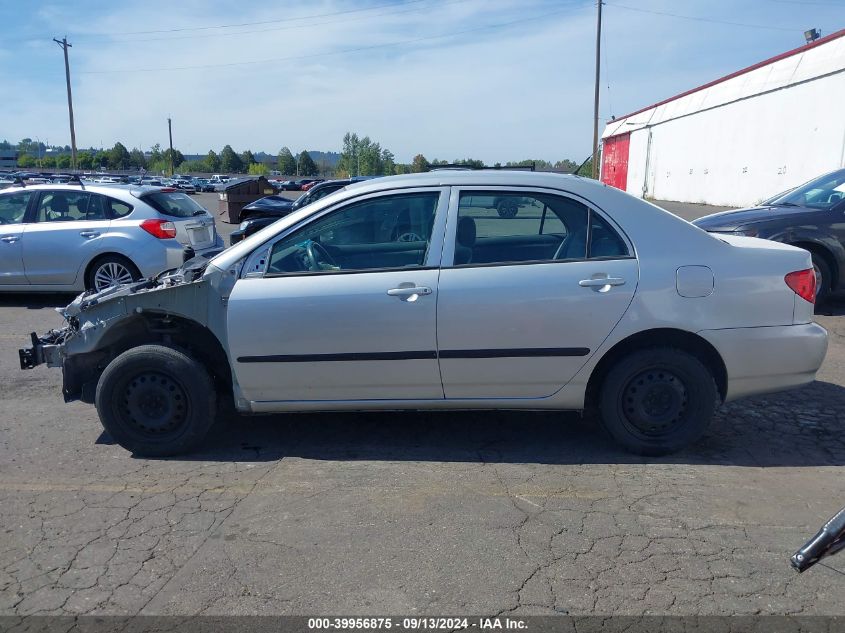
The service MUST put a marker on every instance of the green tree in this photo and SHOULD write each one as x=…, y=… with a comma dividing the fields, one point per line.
x=212, y=161
x=258, y=169
x=247, y=159
x=307, y=166
x=101, y=159
x=26, y=161
x=155, y=154
x=118, y=156
x=419, y=164
x=229, y=161
x=178, y=158
x=286, y=162
x=84, y=160
x=47, y=162
x=137, y=159
x=4, y=144
x=63, y=161
x=388, y=162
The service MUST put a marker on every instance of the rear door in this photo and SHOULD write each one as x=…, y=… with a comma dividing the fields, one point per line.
x=13, y=209
x=66, y=233
x=530, y=295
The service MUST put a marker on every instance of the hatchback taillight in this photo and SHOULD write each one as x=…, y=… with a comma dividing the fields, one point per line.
x=162, y=229
x=803, y=283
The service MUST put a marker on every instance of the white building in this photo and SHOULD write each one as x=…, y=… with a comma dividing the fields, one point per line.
x=738, y=139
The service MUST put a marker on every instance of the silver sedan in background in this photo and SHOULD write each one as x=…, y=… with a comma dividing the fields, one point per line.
x=415, y=292
x=70, y=237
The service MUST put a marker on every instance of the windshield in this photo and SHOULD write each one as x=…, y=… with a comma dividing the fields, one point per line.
x=172, y=203
x=822, y=193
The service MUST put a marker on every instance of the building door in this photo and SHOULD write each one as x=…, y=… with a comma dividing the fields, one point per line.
x=614, y=161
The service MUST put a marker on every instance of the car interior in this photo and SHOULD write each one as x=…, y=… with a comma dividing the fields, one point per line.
x=394, y=232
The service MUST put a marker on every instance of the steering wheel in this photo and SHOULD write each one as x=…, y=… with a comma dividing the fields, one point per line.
x=314, y=251
x=409, y=236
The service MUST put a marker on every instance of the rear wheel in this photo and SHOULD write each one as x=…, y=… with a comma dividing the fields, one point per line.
x=111, y=270
x=822, y=271
x=156, y=401
x=659, y=400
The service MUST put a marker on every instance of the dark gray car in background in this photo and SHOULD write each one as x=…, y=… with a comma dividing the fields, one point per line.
x=811, y=216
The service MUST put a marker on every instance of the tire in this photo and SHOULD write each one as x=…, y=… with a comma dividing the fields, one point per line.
x=507, y=208
x=109, y=266
x=156, y=401
x=823, y=278
x=658, y=400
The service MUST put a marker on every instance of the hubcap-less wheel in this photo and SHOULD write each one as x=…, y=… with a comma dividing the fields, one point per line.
x=154, y=404
x=654, y=401
x=111, y=274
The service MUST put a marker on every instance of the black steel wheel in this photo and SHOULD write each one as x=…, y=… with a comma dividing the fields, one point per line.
x=156, y=401
x=658, y=400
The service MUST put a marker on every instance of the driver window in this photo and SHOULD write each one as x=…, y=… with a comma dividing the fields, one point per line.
x=385, y=232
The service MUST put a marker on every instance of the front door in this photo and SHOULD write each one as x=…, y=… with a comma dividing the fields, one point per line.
x=532, y=293
x=66, y=234
x=344, y=307
x=13, y=207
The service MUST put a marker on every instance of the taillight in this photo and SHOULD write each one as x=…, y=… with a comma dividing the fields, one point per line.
x=162, y=229
x=803, y=283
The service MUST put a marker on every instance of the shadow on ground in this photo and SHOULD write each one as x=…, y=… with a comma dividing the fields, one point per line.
x=804, y=427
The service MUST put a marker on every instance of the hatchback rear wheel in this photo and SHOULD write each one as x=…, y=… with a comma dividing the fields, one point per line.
x=156, y=401
x=111, y=270
x=659, y=400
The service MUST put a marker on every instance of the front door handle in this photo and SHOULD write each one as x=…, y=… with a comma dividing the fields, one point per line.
x=89, y=233
x=601, y=282
x=10, y=239
x=410, y=293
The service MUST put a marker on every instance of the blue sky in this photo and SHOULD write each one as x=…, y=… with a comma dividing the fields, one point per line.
x=490, y=79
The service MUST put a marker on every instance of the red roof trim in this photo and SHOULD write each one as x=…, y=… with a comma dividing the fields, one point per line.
x=771, y=60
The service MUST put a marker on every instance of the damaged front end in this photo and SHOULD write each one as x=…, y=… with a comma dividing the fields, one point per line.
x=171, y=308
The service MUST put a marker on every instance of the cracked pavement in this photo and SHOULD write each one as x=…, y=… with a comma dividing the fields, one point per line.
x=435, y=513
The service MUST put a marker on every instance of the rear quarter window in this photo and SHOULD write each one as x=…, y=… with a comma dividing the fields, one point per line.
x=175, y=204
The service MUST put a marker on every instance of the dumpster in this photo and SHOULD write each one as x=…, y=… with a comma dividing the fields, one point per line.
x=236, y=194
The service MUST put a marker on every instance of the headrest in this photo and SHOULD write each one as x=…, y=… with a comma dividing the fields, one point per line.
x=466, y=232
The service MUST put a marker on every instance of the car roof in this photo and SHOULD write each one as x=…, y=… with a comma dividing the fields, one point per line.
x=491, y=177
x=103, y=188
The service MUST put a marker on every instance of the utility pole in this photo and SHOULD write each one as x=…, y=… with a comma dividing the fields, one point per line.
x=596, y=99
x=64, y=44
x=170, y=134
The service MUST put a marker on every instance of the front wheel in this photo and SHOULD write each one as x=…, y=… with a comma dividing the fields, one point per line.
x=156, y=401
x=657, y=401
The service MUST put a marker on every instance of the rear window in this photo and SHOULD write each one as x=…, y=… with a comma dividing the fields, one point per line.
x=176, y=204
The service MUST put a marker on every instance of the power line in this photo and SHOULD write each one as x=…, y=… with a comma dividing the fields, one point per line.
x=296, y=26
x=259, y=23
x=701, y=19
x=329, y=53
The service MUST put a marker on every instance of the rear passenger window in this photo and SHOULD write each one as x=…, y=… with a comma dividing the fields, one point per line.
x=604, y=241
x=119, y=209
x=63, y=206
x=496, y=227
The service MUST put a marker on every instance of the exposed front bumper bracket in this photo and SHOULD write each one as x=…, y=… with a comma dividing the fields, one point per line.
x=32, y=356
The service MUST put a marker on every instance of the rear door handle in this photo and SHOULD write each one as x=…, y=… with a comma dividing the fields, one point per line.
x=10, y=239
x=409, y=293
x=89, y=233
x=601, y=282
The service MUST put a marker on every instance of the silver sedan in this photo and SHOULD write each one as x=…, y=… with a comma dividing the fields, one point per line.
x=417, y=292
